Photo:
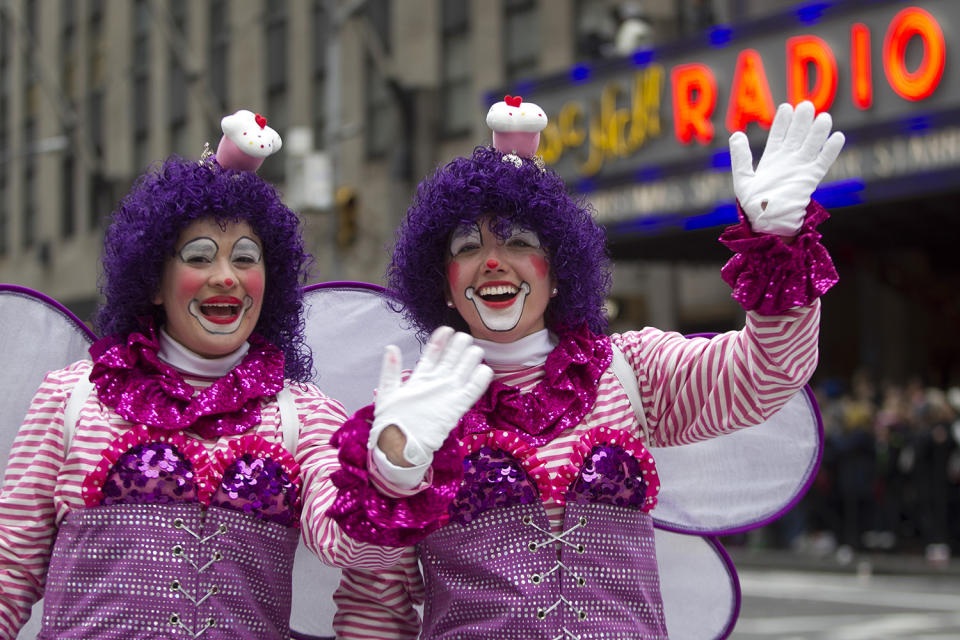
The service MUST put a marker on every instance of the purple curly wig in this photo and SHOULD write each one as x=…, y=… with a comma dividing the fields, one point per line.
x=468, y=188
x=143, y=233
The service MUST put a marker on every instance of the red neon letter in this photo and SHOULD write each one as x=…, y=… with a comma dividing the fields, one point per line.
x=862, y=78
x=750, y=99
x=921, y=83
x=802, y=51
x=694, y=98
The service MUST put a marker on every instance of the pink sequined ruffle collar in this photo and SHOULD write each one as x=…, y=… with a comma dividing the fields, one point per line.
x=558, y=402
x=138, y=385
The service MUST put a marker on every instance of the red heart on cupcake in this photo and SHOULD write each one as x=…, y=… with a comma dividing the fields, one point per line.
x=513, y=101
x=260, y=120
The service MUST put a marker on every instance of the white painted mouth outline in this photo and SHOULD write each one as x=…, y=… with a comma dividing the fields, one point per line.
x=219, y=329
x=504, y=319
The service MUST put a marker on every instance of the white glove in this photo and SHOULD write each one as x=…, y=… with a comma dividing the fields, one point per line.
x=797, y=156
x=445, y=383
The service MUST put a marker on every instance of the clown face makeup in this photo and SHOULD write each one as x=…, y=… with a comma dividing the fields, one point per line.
x=501, y=287
x=212, y=288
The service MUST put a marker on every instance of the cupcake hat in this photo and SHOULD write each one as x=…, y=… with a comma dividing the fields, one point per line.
x=246, y=141
x=516, y=126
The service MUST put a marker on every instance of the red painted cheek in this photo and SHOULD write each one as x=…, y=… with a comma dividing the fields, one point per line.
x=189, y=281
x=540, y=266
x=254, y=284
x=453, y=273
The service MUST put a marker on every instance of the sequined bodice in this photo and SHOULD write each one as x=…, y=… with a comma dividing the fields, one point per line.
x=498, y=569
x=251, y=476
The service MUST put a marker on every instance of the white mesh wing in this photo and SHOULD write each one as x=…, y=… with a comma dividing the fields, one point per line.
x=37, y=335
x=347, y=326
x=741, y=480
x=701, y=592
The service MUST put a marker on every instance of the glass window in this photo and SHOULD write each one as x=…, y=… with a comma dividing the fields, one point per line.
x=378, y=13
x=277, y=108
x=219, y=42
x=521, y=39
x=141, y=84
x=381, y=116
x=456, y=89
x=67, y=224
x=321, y=28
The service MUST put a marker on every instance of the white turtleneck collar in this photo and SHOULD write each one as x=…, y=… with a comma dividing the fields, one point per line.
x=529, y=351
x=186, y=361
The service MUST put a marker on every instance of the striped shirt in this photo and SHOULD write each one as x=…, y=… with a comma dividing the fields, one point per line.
x=42, y=484
x=690, y=390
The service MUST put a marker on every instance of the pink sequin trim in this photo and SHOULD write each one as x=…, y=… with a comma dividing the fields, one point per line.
x=769, y=276
x=607, y=436
x=131, y=379
x=253, y=444
x=368, y=516
x=557, y=403
x=192, y=450
x=510, y=442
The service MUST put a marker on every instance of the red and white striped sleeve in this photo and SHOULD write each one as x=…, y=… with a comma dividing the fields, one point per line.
x=694, y=389
x=379, y=605
x=320, y=418
x=27, y=509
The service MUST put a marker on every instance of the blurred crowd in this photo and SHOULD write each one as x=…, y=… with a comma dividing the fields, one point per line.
x=890, y=476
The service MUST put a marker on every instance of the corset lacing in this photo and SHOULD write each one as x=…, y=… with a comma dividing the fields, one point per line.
x=538, y=578
x=179, y=552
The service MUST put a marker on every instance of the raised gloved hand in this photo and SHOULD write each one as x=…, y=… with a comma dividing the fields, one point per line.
x=799, y=151
x=447, y=380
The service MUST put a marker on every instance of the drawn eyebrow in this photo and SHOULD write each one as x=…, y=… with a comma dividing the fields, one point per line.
x=198, y=246
x=463, y=232
x=248, y=244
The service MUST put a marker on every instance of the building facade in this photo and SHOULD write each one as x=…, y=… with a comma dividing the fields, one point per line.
x=371, y=95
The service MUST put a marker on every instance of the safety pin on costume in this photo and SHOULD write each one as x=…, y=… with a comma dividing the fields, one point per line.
x=560, y=507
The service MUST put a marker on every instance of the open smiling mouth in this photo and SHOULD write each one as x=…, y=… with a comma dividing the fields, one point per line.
x=220, y=314
x=499, y=305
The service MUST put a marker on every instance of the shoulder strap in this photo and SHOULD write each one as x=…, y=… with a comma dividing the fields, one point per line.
x=289, y=421
x=628, y=381
x=71, y=413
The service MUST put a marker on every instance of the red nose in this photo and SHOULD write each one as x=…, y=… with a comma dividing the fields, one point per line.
x=228, y=282
x=492, y=264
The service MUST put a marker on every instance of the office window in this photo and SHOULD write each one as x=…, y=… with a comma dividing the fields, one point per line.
x=96, y=76
x=218, y=39
x=321, y=28
x=455, y=83
x=67, y=176
x=142, y=22
x=277, y=94
x=68, y=46
x=177, y=81
x=521, y=39
x=4, y=218
x=5, y=150
x=381, y=116
x=29, y=214
x=378, y=15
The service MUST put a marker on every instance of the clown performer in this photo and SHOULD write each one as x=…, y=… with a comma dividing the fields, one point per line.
x=532, y=518
x=156, y=490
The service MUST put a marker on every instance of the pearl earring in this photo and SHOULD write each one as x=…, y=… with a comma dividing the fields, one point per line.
x=450, y=304
x=553, y=292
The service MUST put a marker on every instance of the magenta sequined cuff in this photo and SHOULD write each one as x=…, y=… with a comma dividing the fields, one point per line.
x=769, y=276
x=367, y=515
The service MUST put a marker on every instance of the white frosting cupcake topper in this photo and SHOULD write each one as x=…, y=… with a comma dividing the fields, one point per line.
x=246, y=141
x=516, y=126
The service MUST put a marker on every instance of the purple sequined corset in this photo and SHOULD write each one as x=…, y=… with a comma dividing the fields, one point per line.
x=250, y=475
x=168, y=571
x=496, y=571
